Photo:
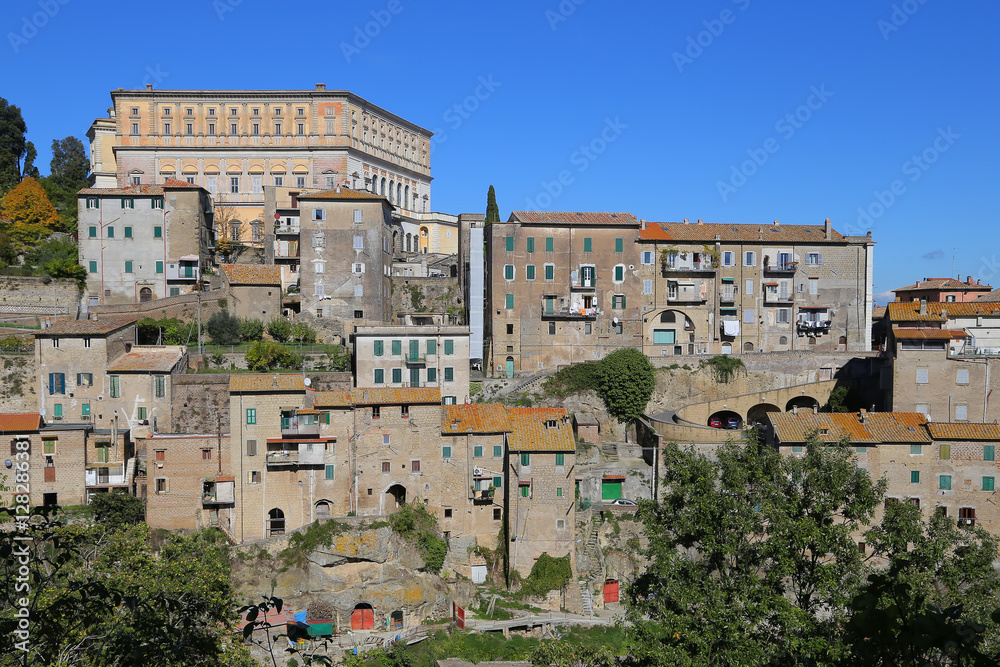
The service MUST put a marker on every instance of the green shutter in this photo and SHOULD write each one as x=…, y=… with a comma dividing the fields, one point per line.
x=548, y=244
x=92, y=233
x=93, y=267
x=111, y=232
x=588, y=244
x=550, y=272
x=157, y=232
x=477, y=451
x=379, y=348
x=619, y=273
x=529, y=272
x=945, y=452
x=159, y=267
x=251, y=415
x=510, y=244
x=611, y=489
x=449, y=347
x=397, y=348
x=525, y=459
x=916, y=449
x=432, y=346
x=128, y=266
x=509, y=302
x=531, y=244
x=446, y=452
x=987, y=483
x=560, y=459
x=558, y=492
x=329, y=470
x=497, y=451
x=498, y=481
x=432, y=374
x=619, y=245
x=128, y=232
x=988, y=452
x=449, y=374
x=944, y=482
x=914, y=476
x=397, y=375
x=57, y=407
x=85, y=409
x=508, y=272
x=379, y=376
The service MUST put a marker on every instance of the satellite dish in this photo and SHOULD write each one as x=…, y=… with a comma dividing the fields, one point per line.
x=306, y=382
x=9, y=463
x=614, y=320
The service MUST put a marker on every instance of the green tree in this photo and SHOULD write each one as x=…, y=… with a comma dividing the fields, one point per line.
x=69, y=172
x=223, y=328
x=251, y=329
x=57, y=246
x=279, y=329
x=302, y=333
x=627, y=381
x=30, y=156
x=492, y=210
x=67, y=268
x=116, y=510
x=13, y=145
x=264, y=355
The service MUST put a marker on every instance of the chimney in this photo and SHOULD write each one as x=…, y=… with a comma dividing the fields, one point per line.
x=687, y=221
x=149, y=86
x=923, y=306
x=320, y=86
x=777, y=222
x=700, y=221
x=815, y=409
x=863, y=416
x=979, y=282
x=828, y=230
x=969, y=281
x=795, y=409
x=642, y=223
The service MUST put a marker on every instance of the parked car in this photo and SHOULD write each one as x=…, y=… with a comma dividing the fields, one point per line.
x=715, y=422
x=624, y=502
x=733, y=423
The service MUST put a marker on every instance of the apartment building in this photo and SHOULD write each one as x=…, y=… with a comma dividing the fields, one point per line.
x=144, y=242
x=936, y=466
x=253, y=290
x=234, y=142
x=345, y=256
x=414, y=356
x=186, y=488
x=561, y=289
x=539, y=483
x=731, y=288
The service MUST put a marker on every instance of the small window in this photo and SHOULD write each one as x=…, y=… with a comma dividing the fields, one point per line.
x=497, y=514
x=376, y=412
x=251, y=415
x=525, y=459
x=944, y=452
x=588, y=245
x=386, y=467
x=379, y=376
x=814, y=258
x=359, y=243
x=508, y=272
x=157, y=232
x=509, y=302
x=987, y=483
x=162, y=485
x=962, y=377
x=529, y=272
x=916, y=449
x=548, y=244
x=386, y=438
x=161, y=455
x=558, y=492
x=797, y=449
x=206, y=455
x=560, y=459
x=619, y=273
x=944, y=482
x=921, y=376
x=477, y=451
x=550, y=271
x=619, y=245
x=531, y=244
x=253, y=477
x=647, y=257
x=729, y=258
x=251, y=448
x=415, y=466
x=961, y=413
x=749, y=258
x=510, y=244
x=525, y=489
x=497, y=452
x=446, y=452
x=914, y=477
x=552, y=328
x=328, y=471
x=988, y=452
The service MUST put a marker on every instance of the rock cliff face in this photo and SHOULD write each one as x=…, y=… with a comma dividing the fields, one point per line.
x=361, y=566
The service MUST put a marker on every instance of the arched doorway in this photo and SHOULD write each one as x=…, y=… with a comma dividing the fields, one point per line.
x=727, y=348
x=748, y=346
x=758, y=413
x=726, y=419
x=510, y=367
x=145, y=295
x=275, y=522
x=322, y=510
x=802, y=403
x=395, y=498
x=363, y=617
x=425, y=238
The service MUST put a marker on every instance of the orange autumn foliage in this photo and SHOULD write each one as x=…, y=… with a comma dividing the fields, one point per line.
x=28, y=213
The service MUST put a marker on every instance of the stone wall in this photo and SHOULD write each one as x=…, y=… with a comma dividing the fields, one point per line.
x=427, y=296
x=197, y=399
x=18, y=373
x=183, y=307
x=31, y=299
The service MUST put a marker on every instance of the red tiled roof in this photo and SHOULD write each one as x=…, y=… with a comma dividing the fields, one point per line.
x=273, y=382
x=743, y=232
x=878, y=427
x=148, y=360
x=396, y=396
x=132, y=190
x=252, y=274
x=333, y=399
x=573, y=218
x=19, y=422
x=944, y=283
x=959, y=431
x=176, y=183
x=530, y=434
x=909, y=311
x=484, y=418
x=85, y=327
x=928, y=334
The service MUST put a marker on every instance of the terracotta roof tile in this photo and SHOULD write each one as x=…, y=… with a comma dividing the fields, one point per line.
x=177, y=183
x=574, y=218
x=909, y=311
x=239, y=382
x=344, y=193
x=133, y=190
x=148, y=360
x=252, y=274
x=928, y=334
x=19, y=422
x=394, y=396
x=959, y=431
x=85, y=327
x=742, y=232
x=333, y=399
x=530, y=434
x=943, y=283
x=485, y=418
x=878, y=427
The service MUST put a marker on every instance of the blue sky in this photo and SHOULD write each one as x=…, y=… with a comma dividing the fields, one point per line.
x=667, y=110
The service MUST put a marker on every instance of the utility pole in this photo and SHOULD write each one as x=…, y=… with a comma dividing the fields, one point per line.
x=218, y=418
x=200, y=351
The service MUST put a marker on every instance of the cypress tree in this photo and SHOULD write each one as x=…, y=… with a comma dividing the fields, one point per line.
x=492, y=210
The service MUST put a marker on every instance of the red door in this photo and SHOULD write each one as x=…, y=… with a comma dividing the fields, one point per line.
x=363, y=619
x=610, y=591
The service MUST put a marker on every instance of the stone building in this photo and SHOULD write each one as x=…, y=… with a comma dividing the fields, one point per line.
x=561, y=288
x=539, y=484
x=144, y=242
x=414, y=356
x=936, y=466
x=730, y=288
x=234, y=142
x=253, y=289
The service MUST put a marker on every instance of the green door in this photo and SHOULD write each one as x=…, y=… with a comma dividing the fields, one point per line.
x=611, y=489
x=510, y=367
x=414, y=350
x=414, y=377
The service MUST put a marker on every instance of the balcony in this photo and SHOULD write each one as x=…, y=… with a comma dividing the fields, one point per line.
x=294, y=429
x=815, y=326
x=696, y=266
x=283, y=457
x=686, y=292
x=286, y=250
x=781, y=298
x=484, y=497
x=218, y=492
x=414, y=360
x=787, y=268
x=112, y=475
x=286, y=230
x=185, y=269
x=728, y=296
x=586, y=284
x=564, y=313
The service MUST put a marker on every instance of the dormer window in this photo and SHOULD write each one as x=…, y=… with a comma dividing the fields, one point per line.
x=551, y=423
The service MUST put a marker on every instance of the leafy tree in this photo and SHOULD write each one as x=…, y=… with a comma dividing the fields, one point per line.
x=30, y=156
x=547, y=574
x=223, y=328
x=69, y=171
x=7, y=253
x=13, y=145
x=57, y=246
x=492, y=210
x=264, y=355
x=117, y=510
x=303, y=333
x=279, y=329
x=251, y=329
x=67, y=268
x=627, y=382
x=29, y=212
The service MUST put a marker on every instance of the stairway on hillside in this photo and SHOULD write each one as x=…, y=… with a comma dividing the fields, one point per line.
x=609, y=451
x=587, y=597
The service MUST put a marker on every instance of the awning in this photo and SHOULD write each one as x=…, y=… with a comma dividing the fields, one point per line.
x=729, y=280
x=614, y=477
x=814, y=307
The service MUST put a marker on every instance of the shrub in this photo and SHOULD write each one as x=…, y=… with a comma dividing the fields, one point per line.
x=627, y=381
x=303, y=333
x=725, y=367
x=223, y=328
x=279, y=329
x=251, y=329
x=547, y=574
x=117, y=510
x=263, y=355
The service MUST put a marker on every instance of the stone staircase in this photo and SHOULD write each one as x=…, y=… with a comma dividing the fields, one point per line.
x=609, y=451
x=587, y=597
